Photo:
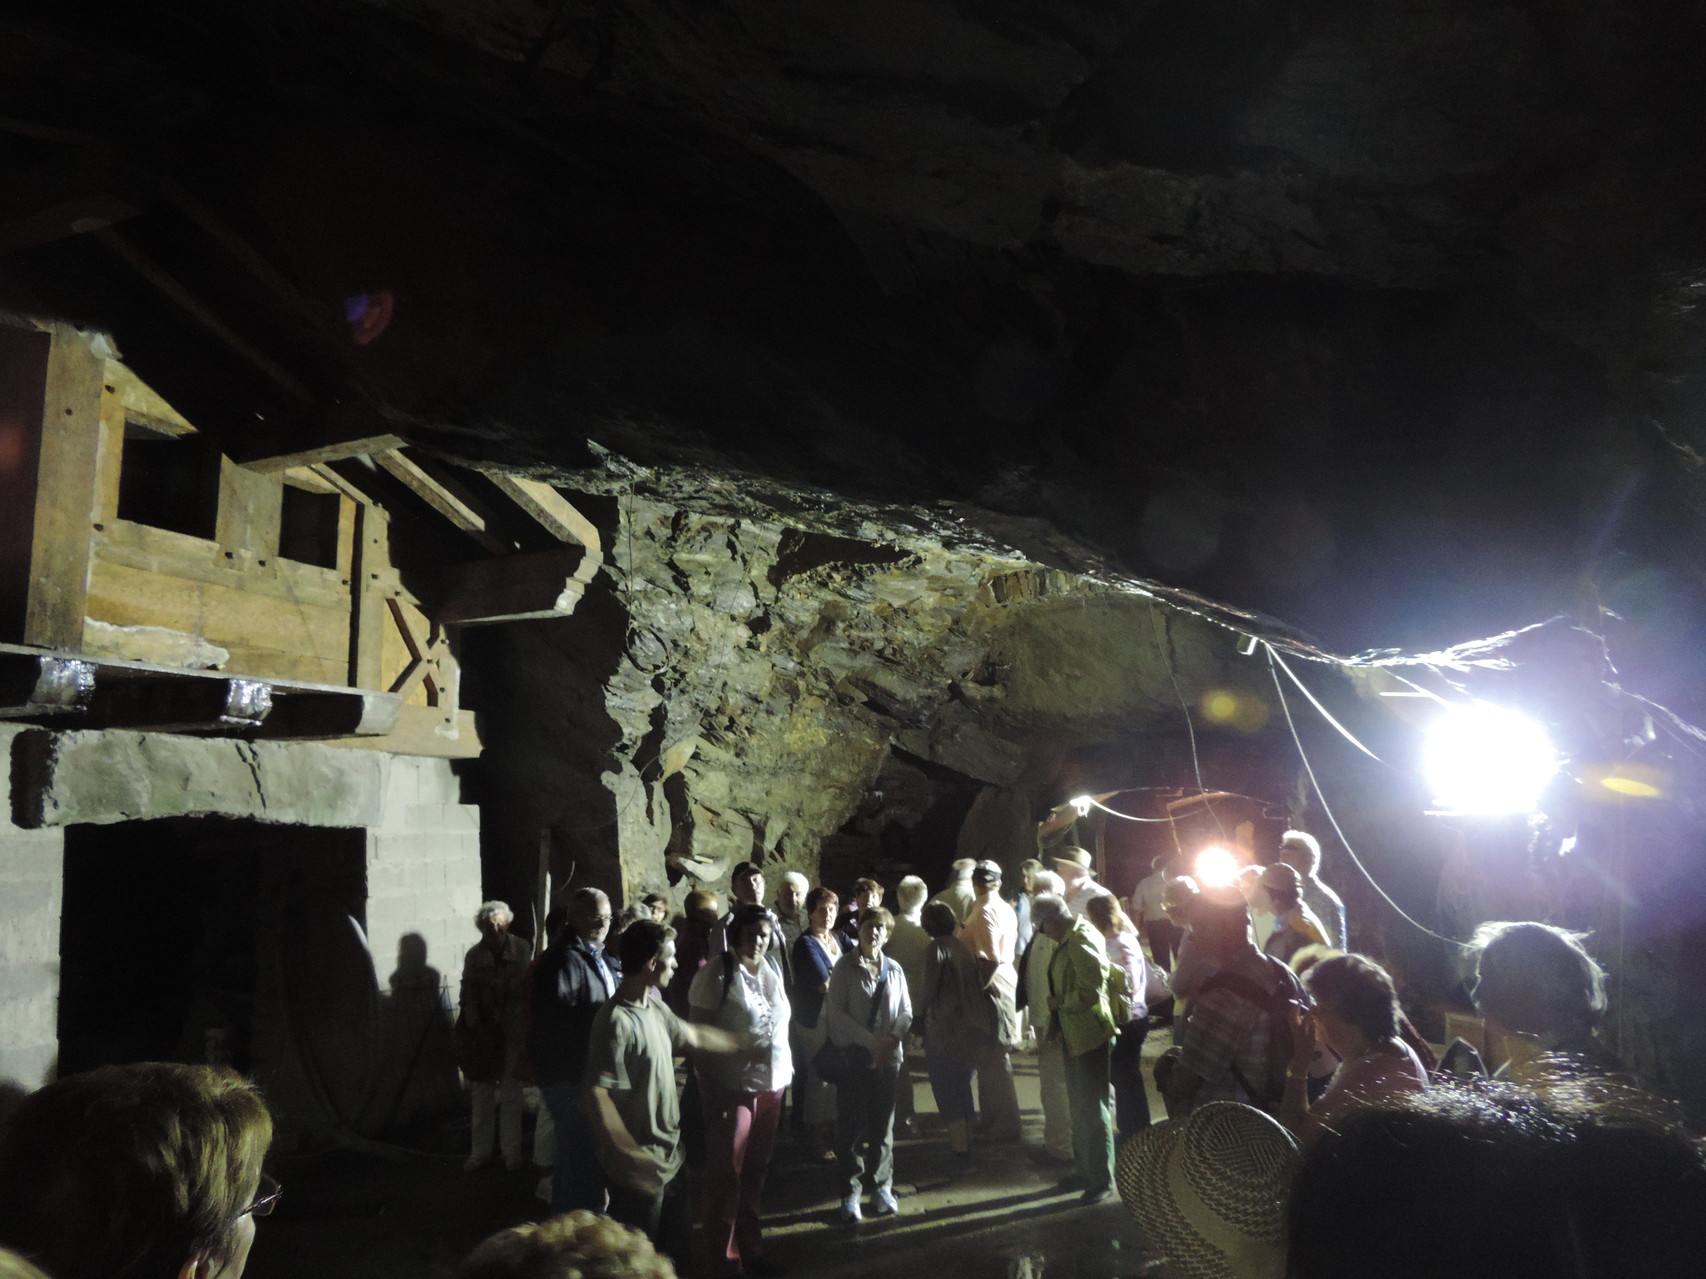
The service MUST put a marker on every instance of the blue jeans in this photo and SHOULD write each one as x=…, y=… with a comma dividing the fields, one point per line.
x=578, y=1181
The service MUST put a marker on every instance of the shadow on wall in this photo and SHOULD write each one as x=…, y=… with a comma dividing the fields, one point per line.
x=416, y=1076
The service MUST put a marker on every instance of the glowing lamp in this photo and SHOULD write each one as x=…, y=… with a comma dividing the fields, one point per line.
x=1216, y=868
x=1487, y=760
x=1082, y=804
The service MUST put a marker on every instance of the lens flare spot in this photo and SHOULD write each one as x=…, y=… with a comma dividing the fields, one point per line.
x=1216, y=867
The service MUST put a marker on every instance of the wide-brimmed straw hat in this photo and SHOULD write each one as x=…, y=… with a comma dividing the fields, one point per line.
x=1209, y=1190
x=1079, y=857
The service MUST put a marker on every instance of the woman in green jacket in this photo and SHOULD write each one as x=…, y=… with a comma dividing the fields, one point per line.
x=1080, y=1015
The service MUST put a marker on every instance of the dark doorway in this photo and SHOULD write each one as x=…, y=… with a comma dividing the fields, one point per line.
x=174, y=935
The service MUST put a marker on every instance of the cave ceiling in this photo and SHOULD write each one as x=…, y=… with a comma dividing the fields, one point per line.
x=1377, y=317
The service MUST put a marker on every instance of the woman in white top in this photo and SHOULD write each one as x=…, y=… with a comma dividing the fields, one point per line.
x=1125, y=1058
x=869, y=1010
x=741, y=1092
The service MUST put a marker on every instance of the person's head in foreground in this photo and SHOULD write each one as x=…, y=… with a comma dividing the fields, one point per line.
x=1209, y=1190
x=12, y=1266
x=577, y=1245
x=1491, y=1182
x=147, y=1171
x=910, y=895
x=1356, y=1006
x=1537, y=980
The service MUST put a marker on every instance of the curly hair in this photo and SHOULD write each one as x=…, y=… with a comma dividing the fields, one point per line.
x=577, y=1245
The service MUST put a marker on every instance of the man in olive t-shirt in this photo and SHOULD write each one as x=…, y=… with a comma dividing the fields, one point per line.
x=636, y=1110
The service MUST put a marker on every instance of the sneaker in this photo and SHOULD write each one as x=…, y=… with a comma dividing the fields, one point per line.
x=543, y=1189
x=1102, y=1196
x=886, y=1205
x=850, y=1210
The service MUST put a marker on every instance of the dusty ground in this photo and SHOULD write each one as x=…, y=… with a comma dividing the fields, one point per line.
x=412, y=1215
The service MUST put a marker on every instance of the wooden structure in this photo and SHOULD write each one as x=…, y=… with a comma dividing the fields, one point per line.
x=148, y=581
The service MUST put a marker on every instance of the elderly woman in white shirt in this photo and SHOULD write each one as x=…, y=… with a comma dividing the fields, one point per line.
x=741, y=1092
x=870, y=1010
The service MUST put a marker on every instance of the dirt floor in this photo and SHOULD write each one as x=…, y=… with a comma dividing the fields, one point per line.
x=388, y=1213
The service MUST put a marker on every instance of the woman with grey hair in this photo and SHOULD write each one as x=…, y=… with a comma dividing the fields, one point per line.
x=490, y=1032
x=1538, y=985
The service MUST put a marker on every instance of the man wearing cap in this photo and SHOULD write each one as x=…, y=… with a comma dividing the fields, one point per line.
x=991, y=933
x=1073, y=866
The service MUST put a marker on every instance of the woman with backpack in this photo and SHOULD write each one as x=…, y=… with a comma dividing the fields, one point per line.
x=958, y=1022
x=741, y=1093
x=1125, y=1057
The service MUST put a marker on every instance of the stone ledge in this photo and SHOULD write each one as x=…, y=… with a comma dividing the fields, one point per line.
x=59, y=778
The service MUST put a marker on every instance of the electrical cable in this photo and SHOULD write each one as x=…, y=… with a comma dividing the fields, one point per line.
x=1316, y=703
x=1127, y=816
x=1326, y=808
x=1190, y=725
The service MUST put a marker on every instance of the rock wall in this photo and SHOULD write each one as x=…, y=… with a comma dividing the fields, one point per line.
x=736, y=688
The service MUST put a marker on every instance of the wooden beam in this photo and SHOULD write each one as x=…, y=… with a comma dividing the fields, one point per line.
x=422, y=730
x=550, y=508
x=35, y=684
x=68, y=493
x=24, y=352
x=446, y=497
x=340, y=431
x=182, y=705
x=514, y=587
x=317, y=716
x=251, y=508
x=367, y=598
x=141, y=402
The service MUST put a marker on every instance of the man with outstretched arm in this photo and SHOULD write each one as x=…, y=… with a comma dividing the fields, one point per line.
x=634, y=1108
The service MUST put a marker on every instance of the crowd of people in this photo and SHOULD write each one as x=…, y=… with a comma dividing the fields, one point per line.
x=1310, y=1130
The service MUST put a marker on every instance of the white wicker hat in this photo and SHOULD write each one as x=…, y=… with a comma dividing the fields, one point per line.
x=1209, y=1191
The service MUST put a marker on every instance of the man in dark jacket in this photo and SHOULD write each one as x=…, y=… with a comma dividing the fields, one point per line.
x=571, y=984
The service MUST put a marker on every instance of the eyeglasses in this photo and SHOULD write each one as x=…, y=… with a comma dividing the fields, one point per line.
x=270, y=1193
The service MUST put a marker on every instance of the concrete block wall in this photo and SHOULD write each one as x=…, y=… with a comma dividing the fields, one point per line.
x=423, y=874
x=31, y=894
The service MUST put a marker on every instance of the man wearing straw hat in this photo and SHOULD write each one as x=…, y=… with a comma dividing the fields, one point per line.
x=1077, y=872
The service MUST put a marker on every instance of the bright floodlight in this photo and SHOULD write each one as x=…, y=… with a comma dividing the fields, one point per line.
x=1082, y=804
x=1488, y=760
x=1215, y=868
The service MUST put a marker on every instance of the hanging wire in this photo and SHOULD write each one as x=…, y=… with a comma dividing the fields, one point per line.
x=1326, y=808
x=1127, y=816
x=1190, y=725
x=1316, y=703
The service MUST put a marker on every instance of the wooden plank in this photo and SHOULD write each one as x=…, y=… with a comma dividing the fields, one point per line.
x=422, y=730
x=367, y=599
x=251, y=504
x=316, y=716
x=232, y=618
x=340, y=431
x=449, y=500
x=141, y=403
x=68, y=483
x=155, y=550
x=309, y=480
x=551, y=509
x=514, y=587
x=24, y=352
x=163, y=704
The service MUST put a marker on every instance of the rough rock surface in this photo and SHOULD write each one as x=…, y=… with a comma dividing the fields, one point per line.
x=762, y=681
